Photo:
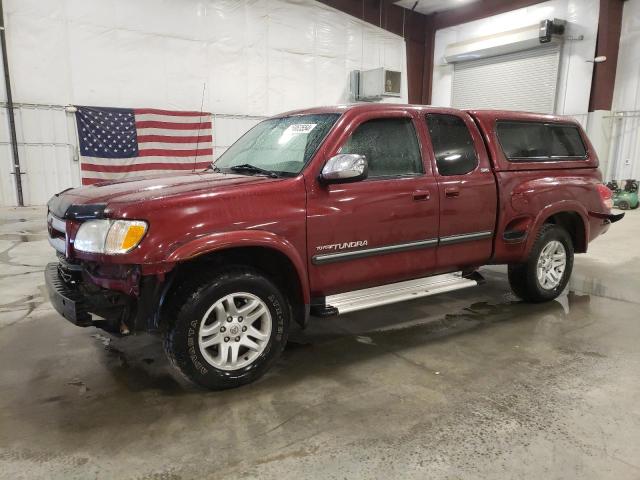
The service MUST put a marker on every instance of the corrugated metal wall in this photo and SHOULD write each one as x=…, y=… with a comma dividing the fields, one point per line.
x=624, y=157
x=47, y=145
x=47, y=149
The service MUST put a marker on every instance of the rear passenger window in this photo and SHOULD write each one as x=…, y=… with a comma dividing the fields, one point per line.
x=452, y=144
x=530, y=141
x=390, y=146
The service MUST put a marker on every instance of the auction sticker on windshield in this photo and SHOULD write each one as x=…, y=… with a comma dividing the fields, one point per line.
x=297, y=128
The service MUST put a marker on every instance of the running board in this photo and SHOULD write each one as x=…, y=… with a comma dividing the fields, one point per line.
x=394, y=292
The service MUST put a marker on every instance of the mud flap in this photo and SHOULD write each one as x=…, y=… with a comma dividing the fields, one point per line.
x=611, y=217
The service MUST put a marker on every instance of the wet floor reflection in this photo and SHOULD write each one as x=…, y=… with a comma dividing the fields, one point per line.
x=467, y=384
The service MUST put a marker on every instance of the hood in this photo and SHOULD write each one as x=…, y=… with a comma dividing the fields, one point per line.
x=92, y=201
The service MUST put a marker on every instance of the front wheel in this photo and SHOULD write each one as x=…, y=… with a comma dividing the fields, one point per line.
x=547, y=271
x=228, y=330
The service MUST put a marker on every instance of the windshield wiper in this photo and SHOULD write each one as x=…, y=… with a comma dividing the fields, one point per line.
x=247, y=167
x=212, y=167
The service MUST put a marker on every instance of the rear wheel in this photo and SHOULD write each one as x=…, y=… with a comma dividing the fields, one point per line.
x=227, y=330
x=547, y=271
x=623, y=205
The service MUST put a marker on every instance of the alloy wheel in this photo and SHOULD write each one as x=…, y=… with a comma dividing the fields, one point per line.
x=551, y=265
x=234, y=331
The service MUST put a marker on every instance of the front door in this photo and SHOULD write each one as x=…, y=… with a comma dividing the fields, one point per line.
x=382, y=229
x=467, y=191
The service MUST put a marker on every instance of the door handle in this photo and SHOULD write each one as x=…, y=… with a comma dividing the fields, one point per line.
x=451, y=192
x=421, y=195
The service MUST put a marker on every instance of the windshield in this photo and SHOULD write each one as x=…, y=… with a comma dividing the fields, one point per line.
x=281, y=145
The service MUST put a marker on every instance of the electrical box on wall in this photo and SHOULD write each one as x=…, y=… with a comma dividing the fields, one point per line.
x=548, y=28
x=371, y=85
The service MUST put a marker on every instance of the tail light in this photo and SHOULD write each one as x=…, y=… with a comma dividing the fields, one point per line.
x=605, y=195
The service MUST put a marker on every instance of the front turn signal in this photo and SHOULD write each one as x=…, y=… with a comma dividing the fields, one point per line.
x=124, y=235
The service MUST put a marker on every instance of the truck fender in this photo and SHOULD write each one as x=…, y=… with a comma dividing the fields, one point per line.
x=571, y=206
x=244, y=238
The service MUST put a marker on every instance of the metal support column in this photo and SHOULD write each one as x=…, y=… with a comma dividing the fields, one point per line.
x=12, y=121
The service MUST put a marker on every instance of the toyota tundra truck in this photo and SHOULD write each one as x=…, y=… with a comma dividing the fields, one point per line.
x=322, y=212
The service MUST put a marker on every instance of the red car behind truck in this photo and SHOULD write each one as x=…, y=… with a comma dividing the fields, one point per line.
x=321, y=212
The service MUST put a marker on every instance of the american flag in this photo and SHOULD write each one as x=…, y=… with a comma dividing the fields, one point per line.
x=121, y=142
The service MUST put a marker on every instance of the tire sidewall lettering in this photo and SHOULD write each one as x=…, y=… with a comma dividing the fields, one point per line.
x=278, y=316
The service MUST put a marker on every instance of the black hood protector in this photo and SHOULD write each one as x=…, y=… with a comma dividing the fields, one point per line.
x=61, y=206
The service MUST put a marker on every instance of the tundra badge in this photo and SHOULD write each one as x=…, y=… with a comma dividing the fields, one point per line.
x=341, y=246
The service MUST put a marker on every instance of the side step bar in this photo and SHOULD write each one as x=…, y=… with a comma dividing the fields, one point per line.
x=394, y=292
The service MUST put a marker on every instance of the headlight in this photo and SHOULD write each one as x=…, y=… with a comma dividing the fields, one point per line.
x=109, y=236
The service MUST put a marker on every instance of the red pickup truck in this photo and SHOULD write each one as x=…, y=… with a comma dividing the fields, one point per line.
x=322, y=212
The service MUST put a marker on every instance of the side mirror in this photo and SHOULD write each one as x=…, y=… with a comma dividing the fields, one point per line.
x=345, y=167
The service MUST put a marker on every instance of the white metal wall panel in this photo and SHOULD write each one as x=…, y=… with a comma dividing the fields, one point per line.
x=228, y=128
x=255, y=57
x=523, y=80
x=624, y=156
x=625, y=147
x=48, y=149
x=626, y=95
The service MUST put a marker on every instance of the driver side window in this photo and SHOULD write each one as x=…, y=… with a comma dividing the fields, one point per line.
x=390, y=146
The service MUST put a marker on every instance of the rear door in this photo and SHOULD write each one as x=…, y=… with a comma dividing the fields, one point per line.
x=379, y=230
x=467, y=191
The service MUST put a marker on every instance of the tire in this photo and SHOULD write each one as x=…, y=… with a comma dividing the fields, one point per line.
x=215, y=352
x=623, y=205
x=524, y=279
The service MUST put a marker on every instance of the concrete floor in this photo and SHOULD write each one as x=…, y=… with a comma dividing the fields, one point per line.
x=472, y=384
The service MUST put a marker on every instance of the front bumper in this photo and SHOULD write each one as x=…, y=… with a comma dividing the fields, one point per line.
x=81, y=301
x=76, y=303
x=68, y=302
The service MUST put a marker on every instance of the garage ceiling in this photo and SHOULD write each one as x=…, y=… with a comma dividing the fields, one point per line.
x=430, y=6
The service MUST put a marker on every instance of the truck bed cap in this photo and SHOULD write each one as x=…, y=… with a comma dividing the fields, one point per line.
x=390, y=107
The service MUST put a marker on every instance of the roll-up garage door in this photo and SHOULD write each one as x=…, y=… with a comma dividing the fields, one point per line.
x=524, y=80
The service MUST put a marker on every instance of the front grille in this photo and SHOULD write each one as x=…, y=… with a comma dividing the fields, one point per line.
x=57, y=229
